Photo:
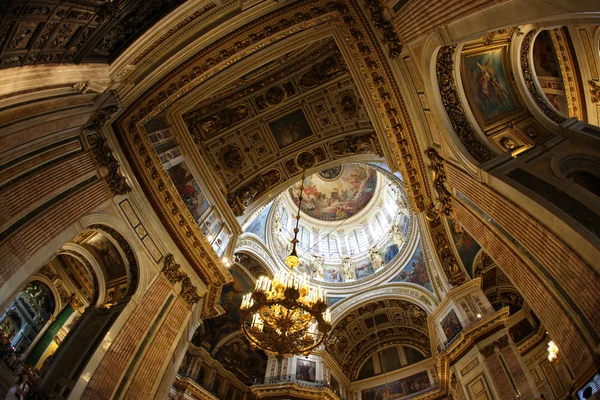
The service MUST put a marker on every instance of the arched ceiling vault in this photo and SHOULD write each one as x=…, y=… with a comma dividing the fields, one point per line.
x=368, y=66
x=373, y=325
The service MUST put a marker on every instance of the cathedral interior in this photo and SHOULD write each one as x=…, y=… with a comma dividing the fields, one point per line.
x=449, y=215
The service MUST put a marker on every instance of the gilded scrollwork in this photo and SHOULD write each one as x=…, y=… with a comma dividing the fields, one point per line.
x=439, y=180
x=385, y=27
x=109, y=168
x=242, y=198
x=206, y=127
x=171, y=270
x=101, y=117
x=349, y=145
x=454, y=108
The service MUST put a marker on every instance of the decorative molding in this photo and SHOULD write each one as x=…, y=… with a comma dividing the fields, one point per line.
x=530, y=81
x=109, y=168
x=172, y=272
x=456, y=114
x=101, y=117
x=385, y=27
x=439, y=180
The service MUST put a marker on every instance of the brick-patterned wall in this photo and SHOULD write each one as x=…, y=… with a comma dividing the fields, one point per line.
x=150, y=369
x=114, y=363
x=16, y=198
x=419, y=17
x=18, y=247
x=499, y=378
x=517, y=372
x=552, y=314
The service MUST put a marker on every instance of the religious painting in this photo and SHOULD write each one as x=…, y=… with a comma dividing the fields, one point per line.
x=466, y=246
x=257, y=226
x=415, y=271
x=290, y=129
x=520, y=330
x=332, y=274
x=216, y=329
x=248, y=365
x=364, y=269
x=451, y=325
x=189, y=190
x=390, y=252
x=399, y=388
x=306, y=370
x=486, y=86
x=336, y=196
x=304, y=267
x=109, y=255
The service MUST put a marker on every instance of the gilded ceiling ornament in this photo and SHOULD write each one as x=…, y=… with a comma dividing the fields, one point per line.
x=349, y=145
x=243, y=197
x=595, y=91
x=348, y=104
x=530, y=81
x=450, y=98
x=275, y=95
x=508, y=143
x=439, y=180
x=453, y=272
x=109, y=168
x=232, y=158
x=204, y=128
x=323, y=72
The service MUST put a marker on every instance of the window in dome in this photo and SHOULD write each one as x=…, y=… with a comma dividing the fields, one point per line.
x=378, y=225
x=304, y=237
x=328, y=245
x=357, y=241
x=367, y=370
x=412, y=355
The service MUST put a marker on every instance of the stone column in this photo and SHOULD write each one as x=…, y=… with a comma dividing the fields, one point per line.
x=37, y=338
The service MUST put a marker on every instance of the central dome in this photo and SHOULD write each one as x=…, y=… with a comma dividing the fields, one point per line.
x=337, y=193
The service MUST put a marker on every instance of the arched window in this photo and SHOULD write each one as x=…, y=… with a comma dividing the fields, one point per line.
x=328, y=245
x=304, y=237
x=378, y=225
x=357, y=241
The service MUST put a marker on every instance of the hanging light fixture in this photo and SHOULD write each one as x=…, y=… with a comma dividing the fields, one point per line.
x=285, y=316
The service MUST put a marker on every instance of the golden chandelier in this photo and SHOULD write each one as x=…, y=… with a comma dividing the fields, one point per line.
x=285, y=316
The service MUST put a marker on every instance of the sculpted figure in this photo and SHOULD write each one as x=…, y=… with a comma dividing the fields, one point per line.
x=376, y=258
x=347, y=268
x=397, y=235
x=317, y=267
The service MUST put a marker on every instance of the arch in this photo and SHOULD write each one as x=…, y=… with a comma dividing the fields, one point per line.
x=96, y=271
x=57, y=299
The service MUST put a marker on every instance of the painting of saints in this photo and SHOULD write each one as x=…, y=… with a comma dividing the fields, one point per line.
x=363, y=270
x=188, y=189
x=390, y=252
x=415, y=271
x=306, y=370
x=487, y=89
x=332, y=275
x=451, y=325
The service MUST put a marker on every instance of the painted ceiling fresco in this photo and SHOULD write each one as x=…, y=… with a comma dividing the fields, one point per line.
x=108, y=255
x=337, y=193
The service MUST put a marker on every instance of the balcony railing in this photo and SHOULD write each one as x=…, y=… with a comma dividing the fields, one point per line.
x=282, y=379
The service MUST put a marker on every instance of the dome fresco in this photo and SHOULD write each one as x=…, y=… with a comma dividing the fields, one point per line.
x=337, y=193
x=334, y=247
